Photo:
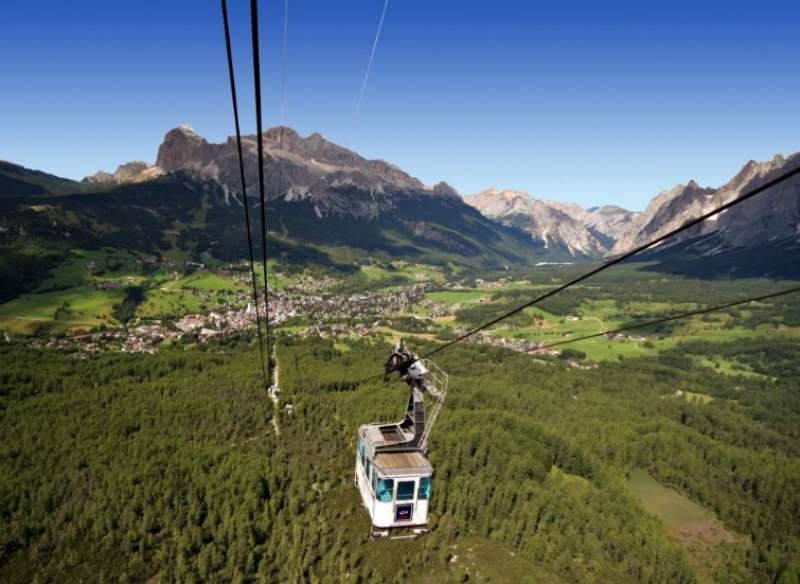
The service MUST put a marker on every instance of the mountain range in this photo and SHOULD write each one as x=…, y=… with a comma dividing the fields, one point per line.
x=759, y=237
x=328, y=205
x=582, y=233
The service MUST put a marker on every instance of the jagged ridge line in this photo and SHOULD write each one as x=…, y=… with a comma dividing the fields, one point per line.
x=688, y=225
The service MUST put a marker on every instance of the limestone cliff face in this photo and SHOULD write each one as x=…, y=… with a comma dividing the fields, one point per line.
x=580, y=232
x=338, y=182
x=295, y=168
x=772, y=215
x=127, y=173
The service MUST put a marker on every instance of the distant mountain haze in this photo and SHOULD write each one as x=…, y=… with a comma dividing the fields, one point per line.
x=583, y=233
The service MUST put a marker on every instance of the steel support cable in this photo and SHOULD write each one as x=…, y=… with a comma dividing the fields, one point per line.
x=635, y=326
x=260, y=142
x=662, y=320
x=619, y=259
x=245, y=203
x=688, y=225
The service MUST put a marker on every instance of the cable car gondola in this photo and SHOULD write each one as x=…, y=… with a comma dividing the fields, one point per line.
x=392, y=471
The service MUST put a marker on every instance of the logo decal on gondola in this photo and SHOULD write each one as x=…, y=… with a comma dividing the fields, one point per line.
x=403, y=512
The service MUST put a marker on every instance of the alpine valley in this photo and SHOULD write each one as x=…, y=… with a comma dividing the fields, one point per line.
x=139, y=441
x=328, y=206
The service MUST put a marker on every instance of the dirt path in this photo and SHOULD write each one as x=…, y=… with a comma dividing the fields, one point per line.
x=276, y=402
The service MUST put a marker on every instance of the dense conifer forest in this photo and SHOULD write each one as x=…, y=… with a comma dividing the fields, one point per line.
x=131, y=467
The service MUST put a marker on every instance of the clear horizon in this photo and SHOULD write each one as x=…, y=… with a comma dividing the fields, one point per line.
x=592, y=105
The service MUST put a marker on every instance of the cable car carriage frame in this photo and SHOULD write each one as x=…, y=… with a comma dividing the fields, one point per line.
x=392, y=471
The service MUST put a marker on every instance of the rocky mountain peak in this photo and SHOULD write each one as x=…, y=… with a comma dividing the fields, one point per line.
x=556, y=225
x=671, y=209
x=494, y=202
x=442, y=189
x=182, y=147
x=188, y=130
x=131, y=172
x=334, y=178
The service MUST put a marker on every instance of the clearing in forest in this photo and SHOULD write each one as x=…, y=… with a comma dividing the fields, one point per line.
x=674, y=509
x=695, y=528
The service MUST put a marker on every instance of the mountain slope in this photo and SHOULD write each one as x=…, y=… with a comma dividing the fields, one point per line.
x=319, y=192
x=295, y=168
x=184, y=214
x=607, y=223
x=758, y=237
x=136, y=171
x=180, y=211
x=570, y=229
x=668, y=210
x=775, y=211
x=16, y=180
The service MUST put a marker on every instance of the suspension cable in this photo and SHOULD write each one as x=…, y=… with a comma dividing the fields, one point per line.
x=260, y=142
x=663, y=320
x=630, y=327
x=689, y=224
x=245, y=203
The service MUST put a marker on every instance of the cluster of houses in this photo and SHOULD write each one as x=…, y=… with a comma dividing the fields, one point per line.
x=292, y=302
x=111, y=284
x=513, y=344
x=88, y=343
x=145, y=337
x=331, y=315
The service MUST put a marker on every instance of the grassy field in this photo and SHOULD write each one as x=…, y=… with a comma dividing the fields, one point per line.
x=674, y=509
x=189, y=294
x=412, y=272
x=726, y=366
x=59, y=311
x=210, y=281
x=458, y=296
x=695, y=528
x=205, y=281
x=699, y=398
x=162, y=302
x=108, y=264
x=595, y=316
x=484, y=560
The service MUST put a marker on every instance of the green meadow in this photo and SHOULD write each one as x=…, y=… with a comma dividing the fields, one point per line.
x=59, y=311
x=674, y=509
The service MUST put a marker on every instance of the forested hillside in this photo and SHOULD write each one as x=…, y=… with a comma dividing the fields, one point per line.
x=178, y=217
x=129, y=467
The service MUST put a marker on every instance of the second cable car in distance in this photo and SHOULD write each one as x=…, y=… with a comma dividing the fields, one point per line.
x=393, y=474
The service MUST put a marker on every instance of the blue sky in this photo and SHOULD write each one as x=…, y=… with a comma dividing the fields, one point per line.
x=589, y=102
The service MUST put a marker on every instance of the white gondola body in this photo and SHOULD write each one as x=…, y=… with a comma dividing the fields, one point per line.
x=395, y=487
x=392, y=472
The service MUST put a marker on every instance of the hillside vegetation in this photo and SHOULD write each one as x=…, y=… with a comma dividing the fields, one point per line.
x=123, y=467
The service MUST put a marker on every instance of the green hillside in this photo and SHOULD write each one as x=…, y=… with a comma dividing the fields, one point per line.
x=173, y=471
x=178, y=218
x=18, y=181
